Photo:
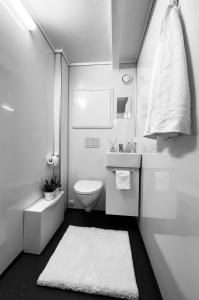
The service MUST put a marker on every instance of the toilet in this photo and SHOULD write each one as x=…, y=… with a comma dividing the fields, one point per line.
x=88, y=192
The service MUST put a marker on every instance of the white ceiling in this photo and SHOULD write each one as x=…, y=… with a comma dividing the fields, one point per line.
x=84, y=28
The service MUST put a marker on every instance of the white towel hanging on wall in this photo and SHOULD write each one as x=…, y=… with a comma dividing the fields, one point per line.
x=169, y=100
x=123, y=180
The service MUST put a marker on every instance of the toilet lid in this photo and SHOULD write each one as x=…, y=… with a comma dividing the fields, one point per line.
x=87, y=186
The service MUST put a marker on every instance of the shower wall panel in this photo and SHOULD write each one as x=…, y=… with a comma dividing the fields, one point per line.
x=26, y=127
x=169, y=209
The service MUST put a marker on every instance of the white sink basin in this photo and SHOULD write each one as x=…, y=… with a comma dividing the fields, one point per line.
x=123, y=160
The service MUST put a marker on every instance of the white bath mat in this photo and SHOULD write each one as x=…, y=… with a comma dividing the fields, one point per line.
x=92, y=260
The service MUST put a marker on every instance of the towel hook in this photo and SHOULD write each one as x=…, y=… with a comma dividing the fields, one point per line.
x=174, y=2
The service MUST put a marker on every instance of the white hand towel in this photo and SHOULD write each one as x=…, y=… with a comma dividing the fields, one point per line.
x=169, y=98
x=123, y=180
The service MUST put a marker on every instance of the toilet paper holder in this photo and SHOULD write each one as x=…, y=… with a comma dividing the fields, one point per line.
x=52, y=160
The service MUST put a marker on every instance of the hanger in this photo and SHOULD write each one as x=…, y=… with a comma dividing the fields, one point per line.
x=174, y=2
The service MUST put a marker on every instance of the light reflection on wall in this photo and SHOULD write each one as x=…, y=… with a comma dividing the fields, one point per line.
x=7, y=107
x=81, y=102
x=158, y=185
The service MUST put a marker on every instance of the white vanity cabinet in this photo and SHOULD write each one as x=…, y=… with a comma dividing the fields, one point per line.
x=118, y=201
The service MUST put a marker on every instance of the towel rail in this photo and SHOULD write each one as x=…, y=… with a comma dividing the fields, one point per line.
x=114, y=171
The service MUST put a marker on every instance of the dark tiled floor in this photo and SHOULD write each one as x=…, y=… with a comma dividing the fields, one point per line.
x=19, y=280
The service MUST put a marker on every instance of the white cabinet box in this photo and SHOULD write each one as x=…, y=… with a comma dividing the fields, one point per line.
x=118, y=201
x=41, y=220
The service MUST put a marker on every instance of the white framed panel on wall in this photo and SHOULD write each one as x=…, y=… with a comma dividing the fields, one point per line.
x=92, y=108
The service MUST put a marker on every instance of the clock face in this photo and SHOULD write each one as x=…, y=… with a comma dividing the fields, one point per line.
x=127, y=79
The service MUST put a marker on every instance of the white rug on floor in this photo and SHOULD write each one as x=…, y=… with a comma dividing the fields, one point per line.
x=92, y=260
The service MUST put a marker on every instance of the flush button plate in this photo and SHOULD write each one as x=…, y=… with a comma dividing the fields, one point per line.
x=92, y=142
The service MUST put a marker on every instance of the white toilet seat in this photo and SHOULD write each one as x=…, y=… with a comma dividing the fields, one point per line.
x=87, y=187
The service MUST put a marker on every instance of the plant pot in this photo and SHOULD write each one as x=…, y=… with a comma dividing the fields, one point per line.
x=56, y=191
x=48, y=196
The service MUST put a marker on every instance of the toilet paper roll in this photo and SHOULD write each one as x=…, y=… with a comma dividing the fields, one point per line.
x=52, y=160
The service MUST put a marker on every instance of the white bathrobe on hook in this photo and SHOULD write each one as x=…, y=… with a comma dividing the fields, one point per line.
x=169, y=100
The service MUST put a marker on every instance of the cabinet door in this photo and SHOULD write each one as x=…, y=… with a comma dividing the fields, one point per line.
x=122, y=202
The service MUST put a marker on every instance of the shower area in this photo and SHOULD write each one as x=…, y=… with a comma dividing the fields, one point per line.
x=33, y=84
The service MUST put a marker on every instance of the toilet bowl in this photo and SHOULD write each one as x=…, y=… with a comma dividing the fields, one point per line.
x=88, y=192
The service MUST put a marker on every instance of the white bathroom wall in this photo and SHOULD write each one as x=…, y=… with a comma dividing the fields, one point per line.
x=26, y=127
x=169, y=211
x=89, y=163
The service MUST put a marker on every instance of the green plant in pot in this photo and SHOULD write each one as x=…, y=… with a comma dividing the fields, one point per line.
x=49, y=189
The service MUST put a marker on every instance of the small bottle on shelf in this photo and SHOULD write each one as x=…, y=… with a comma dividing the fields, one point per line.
x=120, y=147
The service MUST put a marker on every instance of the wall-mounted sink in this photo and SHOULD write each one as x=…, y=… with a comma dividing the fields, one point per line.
x=123, y=160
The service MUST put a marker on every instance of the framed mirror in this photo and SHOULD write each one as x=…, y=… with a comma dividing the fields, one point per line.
x=124, y=107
